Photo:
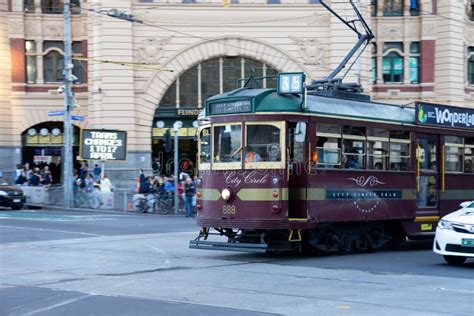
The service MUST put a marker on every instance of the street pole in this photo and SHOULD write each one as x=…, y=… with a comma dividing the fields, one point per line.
x=67, y=72
x=176, y=126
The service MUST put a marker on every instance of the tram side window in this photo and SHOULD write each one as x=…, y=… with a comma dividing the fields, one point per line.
x=205, y=143
x=427, y=196
x=454, y=152
x=295, y=145
x=377, y=149
x=263, y=143
x=328, y=145
x=469, y=155
x=427, y=153
x=353, y=140
x=227, y=143
x=399, y=151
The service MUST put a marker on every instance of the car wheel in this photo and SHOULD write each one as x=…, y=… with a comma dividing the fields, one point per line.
x=17, y=207
x=454, y=259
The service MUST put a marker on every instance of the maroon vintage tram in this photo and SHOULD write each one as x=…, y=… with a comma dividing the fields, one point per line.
x=327, y=170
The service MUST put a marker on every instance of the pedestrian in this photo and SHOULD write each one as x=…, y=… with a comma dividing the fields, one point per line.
x=106, y=184
x=189, y=192
x=35, y=178
x=97, y=171
x=17, y=171
x=156, y=166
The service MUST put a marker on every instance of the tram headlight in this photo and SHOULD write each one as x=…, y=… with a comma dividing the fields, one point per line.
x=226, y=194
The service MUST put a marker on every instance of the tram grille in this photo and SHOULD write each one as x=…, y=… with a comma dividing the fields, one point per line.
x=459, y=248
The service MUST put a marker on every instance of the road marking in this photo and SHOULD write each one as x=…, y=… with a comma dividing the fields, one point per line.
x=56, y=218
x=53, y=230
x=58, y=305
x=455, y=290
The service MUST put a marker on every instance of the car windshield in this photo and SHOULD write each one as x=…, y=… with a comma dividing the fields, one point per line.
x=4, y=182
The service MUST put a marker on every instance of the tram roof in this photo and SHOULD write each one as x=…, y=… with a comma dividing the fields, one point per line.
x=268, y=100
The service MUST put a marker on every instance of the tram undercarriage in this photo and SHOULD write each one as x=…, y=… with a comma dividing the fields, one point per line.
x=326, y=238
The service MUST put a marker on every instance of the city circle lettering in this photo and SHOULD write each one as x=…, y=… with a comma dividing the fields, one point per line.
x=232, y=178
x=103, y=145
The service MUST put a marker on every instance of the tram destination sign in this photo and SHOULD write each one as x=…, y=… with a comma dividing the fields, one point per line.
x=442, y=115
x=230, y=107
x=103, y=144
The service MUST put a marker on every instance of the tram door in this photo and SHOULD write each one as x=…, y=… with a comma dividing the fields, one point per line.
x=427, y=179
x=297, y=174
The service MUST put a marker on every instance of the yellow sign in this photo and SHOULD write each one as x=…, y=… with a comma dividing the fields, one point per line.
x=44, y=139
x=183, y=132
x=56, y=139
x=425, y=227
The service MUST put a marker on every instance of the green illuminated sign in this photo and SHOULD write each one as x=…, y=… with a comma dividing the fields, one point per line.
x=291, y=83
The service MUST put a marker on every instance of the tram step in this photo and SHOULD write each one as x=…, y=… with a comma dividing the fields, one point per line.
x=226, y=246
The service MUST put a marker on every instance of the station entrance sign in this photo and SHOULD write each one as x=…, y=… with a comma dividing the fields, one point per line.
x=103, y=145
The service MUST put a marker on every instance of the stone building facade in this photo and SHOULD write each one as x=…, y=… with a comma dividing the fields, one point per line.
x=421, y=52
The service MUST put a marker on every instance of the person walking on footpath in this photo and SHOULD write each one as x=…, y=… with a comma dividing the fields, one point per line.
x=189, y=192
x=97, y=172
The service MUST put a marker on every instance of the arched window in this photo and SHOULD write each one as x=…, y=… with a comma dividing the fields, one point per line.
x=470, y=10
x=393, y=7
x=53, y=67
x=392, y=67
x=211, y=77
x=470, y=65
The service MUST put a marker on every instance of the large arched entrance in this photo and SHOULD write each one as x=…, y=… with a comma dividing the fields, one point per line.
x=185, y=98
x=42, y=145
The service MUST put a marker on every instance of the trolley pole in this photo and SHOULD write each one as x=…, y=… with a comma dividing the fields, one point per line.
x=67, y=72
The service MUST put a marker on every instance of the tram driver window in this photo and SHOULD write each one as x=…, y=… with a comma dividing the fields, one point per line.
x=227, y=143
x=205, y=143
x=263, y=143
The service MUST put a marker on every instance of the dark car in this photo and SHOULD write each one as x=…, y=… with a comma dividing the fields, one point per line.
x=11, y=196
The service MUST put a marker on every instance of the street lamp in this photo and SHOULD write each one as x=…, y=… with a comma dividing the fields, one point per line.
x=176, y=126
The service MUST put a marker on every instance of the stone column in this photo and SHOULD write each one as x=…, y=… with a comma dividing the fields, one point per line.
x=9, y=151
x=449, y=51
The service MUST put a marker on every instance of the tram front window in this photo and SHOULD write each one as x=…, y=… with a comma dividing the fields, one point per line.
x=263, y=143
x=205, y=145
x=227, y=143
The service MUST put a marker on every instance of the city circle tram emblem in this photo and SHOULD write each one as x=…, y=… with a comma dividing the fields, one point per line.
x=366, y=198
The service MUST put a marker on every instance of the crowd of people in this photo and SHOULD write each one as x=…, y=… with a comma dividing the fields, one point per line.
x=90, y=178
x=34, y=176
x=164, y=187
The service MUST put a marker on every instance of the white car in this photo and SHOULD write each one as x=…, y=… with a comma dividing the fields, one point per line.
x=455, y=235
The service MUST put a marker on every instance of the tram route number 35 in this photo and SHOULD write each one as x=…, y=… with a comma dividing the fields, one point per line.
x=290, y=83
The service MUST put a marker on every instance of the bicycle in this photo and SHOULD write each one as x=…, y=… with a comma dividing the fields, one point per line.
x=142, y=203
x=90, y=199
x=164, y=203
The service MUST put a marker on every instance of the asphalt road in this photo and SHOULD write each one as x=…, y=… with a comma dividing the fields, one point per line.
x=97, y=263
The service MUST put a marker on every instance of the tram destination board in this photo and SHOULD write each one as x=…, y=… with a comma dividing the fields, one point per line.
x=230, y=107
x=103, y=145
x=442, y=115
